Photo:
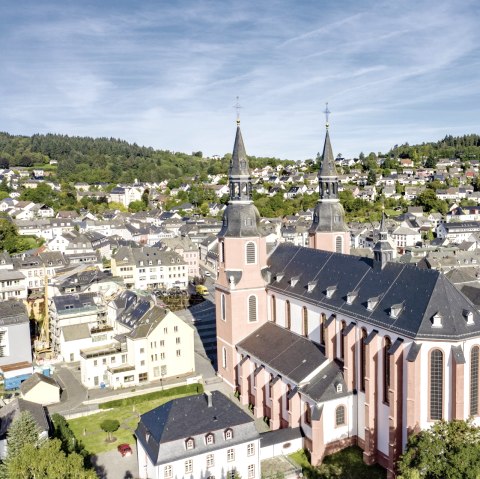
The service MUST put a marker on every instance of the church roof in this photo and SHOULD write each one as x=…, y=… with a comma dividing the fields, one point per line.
x=424, y=293
x=239, y=161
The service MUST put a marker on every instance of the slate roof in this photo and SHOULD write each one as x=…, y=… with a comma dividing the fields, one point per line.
x=291, y=355
x=423, y=292
x=35, y=379
x=9, y=412
x=70, y=302
x=327, y=167
x=12, y=312
x=163, y=430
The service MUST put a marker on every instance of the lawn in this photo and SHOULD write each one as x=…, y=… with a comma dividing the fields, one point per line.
x=87, y=429
x=349, y=462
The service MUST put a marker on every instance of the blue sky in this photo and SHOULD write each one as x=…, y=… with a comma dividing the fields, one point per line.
x=166, y=73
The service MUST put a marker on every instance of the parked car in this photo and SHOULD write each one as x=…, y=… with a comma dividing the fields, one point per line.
x=125, y=450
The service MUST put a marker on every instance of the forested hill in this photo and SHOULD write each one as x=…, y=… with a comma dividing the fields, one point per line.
x=466, y=147
x=108, y=159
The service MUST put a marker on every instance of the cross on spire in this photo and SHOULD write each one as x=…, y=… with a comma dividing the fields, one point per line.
x=237, y=107
x=327, y=113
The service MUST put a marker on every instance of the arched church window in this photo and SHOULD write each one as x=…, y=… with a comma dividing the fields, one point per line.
x=386, y=369
x=363, y=359
x=343, y=326
x=305, y=321
x=252, y=308
x=223, y=308
x=339, y=244
x=251, y=253
x=288, y=315
x=436, y=384
x=274, y=310
x=474, y=360
x=340, y=416
x=323, y=319
x=308, y=414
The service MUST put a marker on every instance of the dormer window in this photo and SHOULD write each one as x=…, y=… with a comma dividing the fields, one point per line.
x=209, y=439
x=468, y=315
x=293, y=281
x=372, y=303
x=351, y=297
x=395, y=310
x=228, y=434
x=189, y=443
x=330, y=291
x=339, y=388
x=437, y=321
x=279, y=277
x=311, y=286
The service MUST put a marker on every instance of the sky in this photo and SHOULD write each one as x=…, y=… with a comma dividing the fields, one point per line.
x=166, y=74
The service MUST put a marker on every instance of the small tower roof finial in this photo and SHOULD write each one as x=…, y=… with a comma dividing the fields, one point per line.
x=327, y=113
x=237, y=107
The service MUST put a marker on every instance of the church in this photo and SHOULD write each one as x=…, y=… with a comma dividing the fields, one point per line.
x=354, y=351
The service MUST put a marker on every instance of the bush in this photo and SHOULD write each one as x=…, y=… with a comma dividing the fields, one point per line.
x=188, y=389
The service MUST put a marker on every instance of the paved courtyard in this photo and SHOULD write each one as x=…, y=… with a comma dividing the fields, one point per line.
x=111, y=465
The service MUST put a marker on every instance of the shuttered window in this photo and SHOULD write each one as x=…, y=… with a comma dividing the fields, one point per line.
x=251, y=253
x=252, y=308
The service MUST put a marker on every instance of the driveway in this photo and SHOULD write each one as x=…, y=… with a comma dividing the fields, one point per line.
x=73, y=392
x=111, y=465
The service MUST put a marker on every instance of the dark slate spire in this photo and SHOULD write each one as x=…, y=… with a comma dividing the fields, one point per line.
x=241, y=217
x=329, y=214
x=383, y=251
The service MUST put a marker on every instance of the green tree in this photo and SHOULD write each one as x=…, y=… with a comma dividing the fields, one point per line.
x=47, y=462
x=447, y=450
x=136, y=206
x=109, y=426
x=23, y=431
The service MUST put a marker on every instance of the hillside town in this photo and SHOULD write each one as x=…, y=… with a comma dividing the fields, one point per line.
x=114, y=304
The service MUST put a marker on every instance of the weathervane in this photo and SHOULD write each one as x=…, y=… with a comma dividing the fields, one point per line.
x=327, y=112
x=237, y=107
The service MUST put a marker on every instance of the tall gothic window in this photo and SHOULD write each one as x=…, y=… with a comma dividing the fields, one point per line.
x=287, y=397
x=274, y=310
x=436, y=384
x=386, y=369
x=223, y=308
x=339, y=244
x=363, y=359
x=323, y=319
x=340, y=416
x=305, y=321
x=252, y=308
x=222, y=252
x=251, y=253
x=288, y=315
x=308, y=414
x=343, y=326
x=474, y=359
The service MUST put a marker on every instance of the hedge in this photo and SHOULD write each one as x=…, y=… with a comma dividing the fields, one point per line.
x=176, y=391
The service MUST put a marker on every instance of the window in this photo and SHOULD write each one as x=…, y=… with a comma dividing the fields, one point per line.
x=175, y=329
x=308, y=414
x=343, y=326
x=209, y=439
x=251, y=471
x=363, y=359
x=288, y=315
x=179, y=353
x=162, y=355
x=436, y=384
x=210, y=460
x=224, y=358
x=189, y=443
x=142, y=377
x=167, y=472
x=287, y=397
x=252, y=308
x=95, y=362
x=165, y=330
x=274, y=310
x=188, y=466
x=223, y=309
x=251, y=449
x=142, y=350
x=474, y=357
x=177, y=340
x=305, y=321
x=323, y=319
x=340, y=416
x=228, y=434
x=230, y=455
x=251, y=253
x=339, y=244
x=386, y=369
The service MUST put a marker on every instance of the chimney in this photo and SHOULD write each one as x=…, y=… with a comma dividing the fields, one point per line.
x=208, y=396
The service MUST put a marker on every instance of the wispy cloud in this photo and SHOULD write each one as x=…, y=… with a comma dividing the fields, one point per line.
x=166, y=74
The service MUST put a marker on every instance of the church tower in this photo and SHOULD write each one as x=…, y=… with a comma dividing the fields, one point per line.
x=240, y=296
x=383, y=251
x=328, y=230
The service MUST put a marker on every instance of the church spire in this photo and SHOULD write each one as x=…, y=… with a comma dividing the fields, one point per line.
x=383, y=251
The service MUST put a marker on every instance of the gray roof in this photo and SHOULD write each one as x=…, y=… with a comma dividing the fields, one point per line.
x=328, y=217
x=12, y=312
x=163, y=430
x=75, y=332
x=239, y=161
x=287, y=434
x=423, y=292
x=69, y=302
x=327, y=167
x=35, y=379
x=9, y=412
x=293, y=356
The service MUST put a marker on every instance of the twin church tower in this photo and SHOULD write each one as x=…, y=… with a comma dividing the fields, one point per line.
x=241, y=300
